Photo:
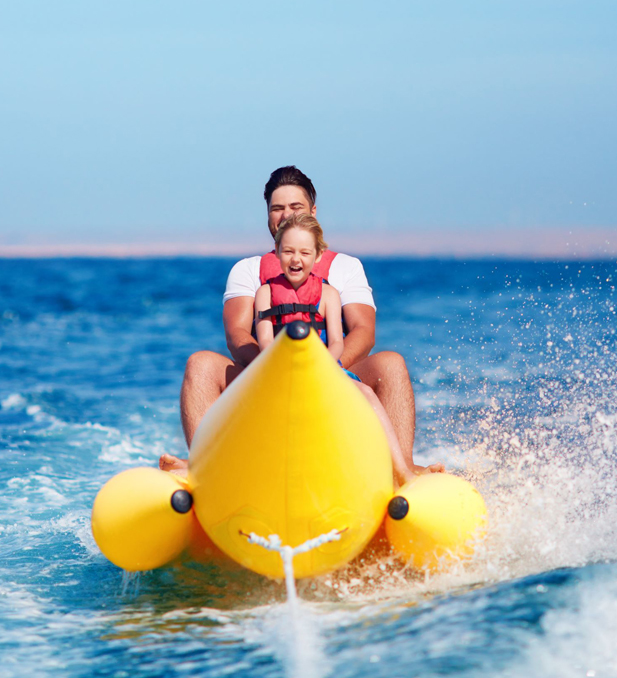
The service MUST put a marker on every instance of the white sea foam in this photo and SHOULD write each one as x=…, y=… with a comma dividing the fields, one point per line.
x=293, y=637
x=578, y=640
x=19, y=603
x=46, y=490
x=40, y=416
x=77, y=523
x=121, y=452
x=97, y=427
x=15, y=401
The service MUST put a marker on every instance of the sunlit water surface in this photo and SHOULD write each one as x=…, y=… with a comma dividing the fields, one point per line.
x=515, y=370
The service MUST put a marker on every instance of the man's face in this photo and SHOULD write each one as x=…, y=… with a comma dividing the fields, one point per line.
x=285, y=201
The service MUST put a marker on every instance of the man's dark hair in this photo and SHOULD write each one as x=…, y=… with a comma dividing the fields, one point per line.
x=290, y=176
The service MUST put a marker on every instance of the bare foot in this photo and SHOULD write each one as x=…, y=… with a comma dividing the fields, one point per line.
x=172, y=464
x=409, y=474
x=433, y=468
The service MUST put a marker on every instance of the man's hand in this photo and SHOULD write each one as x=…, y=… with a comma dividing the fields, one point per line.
x=238, y=322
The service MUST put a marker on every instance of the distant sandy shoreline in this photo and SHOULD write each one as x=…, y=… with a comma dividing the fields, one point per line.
x=592, y=243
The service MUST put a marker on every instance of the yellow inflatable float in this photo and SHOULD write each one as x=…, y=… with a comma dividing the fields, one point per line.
x=291, y=449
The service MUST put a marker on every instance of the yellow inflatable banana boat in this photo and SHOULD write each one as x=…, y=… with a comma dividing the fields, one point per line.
x=292, y=449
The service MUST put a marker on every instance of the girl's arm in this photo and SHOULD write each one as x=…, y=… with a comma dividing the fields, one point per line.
x=330, y=309
x=264, y=328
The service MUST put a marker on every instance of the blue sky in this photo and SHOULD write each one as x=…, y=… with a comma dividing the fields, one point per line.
x=423, y=124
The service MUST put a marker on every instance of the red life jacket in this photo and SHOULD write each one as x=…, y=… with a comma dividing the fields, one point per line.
x=270, y=266
x=288, y=304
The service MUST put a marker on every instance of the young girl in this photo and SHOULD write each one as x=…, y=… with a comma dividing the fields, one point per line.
x=299, y=245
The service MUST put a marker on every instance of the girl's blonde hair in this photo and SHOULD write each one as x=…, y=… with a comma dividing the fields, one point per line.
x=306, y=222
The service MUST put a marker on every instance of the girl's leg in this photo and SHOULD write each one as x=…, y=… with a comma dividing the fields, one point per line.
x=402, y=473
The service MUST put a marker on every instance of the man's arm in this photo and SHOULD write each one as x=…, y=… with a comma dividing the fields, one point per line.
x=238, y=322
x=360, y=321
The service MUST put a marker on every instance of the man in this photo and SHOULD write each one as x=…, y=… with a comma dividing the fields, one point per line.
x=208, y=374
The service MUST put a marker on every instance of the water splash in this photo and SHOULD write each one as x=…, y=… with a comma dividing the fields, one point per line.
x=302, y=653
x=131, y=584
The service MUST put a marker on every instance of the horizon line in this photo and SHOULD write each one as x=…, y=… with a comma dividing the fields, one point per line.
x=593, y=243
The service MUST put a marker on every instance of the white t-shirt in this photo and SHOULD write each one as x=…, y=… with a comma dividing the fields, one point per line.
x=346, y=276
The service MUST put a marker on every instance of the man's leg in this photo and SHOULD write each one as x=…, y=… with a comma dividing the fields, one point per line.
x=386, y=373
x=206, y=376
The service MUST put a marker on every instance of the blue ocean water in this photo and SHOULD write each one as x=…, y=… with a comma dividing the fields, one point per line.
x=515, y=370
